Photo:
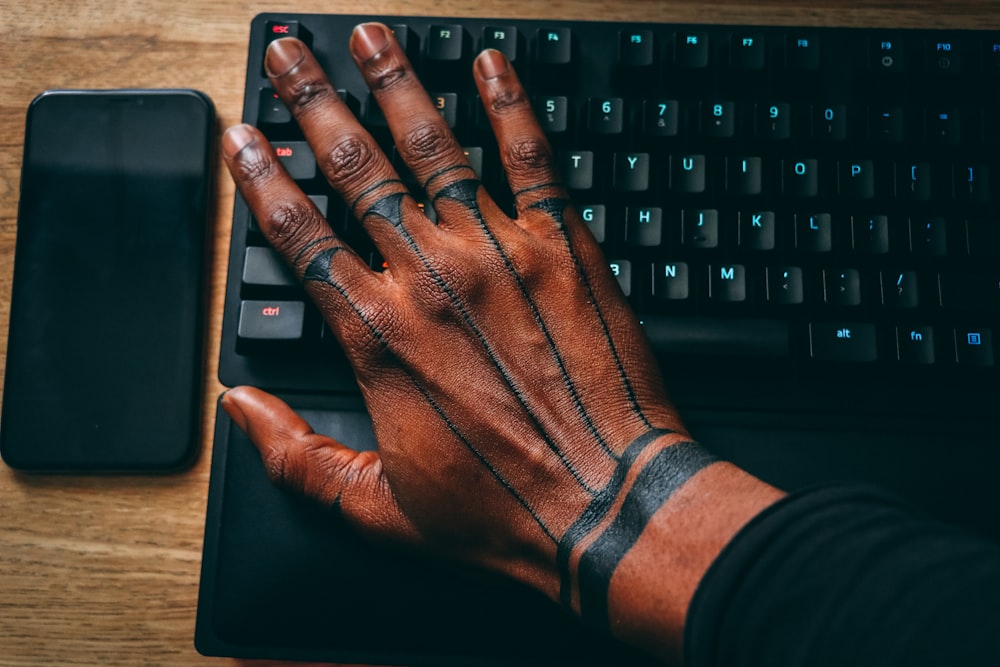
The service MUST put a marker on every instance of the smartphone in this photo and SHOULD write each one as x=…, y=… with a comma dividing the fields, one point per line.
x=105, y=345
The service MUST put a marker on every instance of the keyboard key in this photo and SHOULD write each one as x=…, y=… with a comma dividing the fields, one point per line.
x=445, y=44
x=974, y=347
x=900, y=289
x=595, y=219
x=886, y=124
x=272, y=111
x=644, y=226
x=577, y=169
x=718, y=119
x=830, y=122
x=774, y=121
x=274, y=30
x=700, y=228
x=622, y=270
x=552, y=113
x=406, y=38
x=886, y=55
x=554, y=46
x=928, y=237
x=784, y=285
x=631, y=172
x=297, y=158
x=271, y=321
x=262, y=267
x=814, y=233
x=687, y=173
x=842, y=341
x=605, y=116
x=727, y=283
x=856, y=179
x=973, y=291
x=800, y=178
x=671, y=281
x=983, y=237
x=913, y=181
x=991, y=56
x=687, y=337
x=447, y=106
x=944, y=126
x=747, y=51
x=971, y=183
x=660, y=117
x=915, y=345
x=842, y=287
x=504, y=39
x=944, y=56
x=744, y=176
x=802, y=53
x=636, y=48
x=871, y=234
x=757, y=230
x=691, y=50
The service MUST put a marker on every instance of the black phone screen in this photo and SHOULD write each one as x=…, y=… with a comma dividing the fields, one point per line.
x=104, y=358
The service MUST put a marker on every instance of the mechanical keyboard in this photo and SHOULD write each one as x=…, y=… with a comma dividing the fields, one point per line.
x=816, y=204
x=805, y=220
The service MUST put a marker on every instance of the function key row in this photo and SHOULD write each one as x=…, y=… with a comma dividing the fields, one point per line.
x=746, y=50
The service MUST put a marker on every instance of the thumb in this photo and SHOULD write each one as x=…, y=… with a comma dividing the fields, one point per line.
x=316, y=465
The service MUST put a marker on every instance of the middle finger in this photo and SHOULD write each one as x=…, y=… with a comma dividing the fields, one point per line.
x=422, y=136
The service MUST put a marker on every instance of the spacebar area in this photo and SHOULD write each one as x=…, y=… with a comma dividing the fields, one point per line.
x=716, y=337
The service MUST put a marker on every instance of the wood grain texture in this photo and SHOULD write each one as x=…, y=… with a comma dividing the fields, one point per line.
x=104, y=570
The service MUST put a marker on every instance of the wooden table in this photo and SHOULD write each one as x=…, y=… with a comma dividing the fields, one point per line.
x=104, y=570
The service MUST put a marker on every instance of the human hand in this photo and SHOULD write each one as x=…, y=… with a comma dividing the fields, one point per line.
x=512, y=391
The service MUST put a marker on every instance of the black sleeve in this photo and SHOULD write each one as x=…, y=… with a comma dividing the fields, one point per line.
x=842, y=576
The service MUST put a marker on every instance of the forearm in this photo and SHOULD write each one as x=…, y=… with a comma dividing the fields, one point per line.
x=846, y=576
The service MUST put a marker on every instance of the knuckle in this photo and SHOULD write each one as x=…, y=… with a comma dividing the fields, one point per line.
x=285, y=224
x=386, y=76
x=427, y=140
x=350, y=159
x=307, y=93
x=255, y=167
x=528, y=155
x=507, y=100
x=279, y=466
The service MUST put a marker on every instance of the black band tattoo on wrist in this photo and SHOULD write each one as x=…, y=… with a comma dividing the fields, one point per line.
x=597, y=510
x=653, y=486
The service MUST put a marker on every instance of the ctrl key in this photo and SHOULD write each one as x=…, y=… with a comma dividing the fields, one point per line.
x=269, y=322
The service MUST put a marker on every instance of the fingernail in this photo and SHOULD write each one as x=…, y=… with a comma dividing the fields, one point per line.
x=236, y=139
x=491, y=64
x=368, y=40
x=282, y=56
x=234, y=411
